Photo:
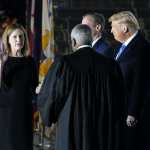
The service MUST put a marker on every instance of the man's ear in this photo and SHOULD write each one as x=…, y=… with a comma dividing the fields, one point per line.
x=124, y=28
x=73, y=42
x=98, y=27
x=8, y=40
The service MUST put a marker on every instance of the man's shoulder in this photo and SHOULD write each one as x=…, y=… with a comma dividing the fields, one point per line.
x=102, y=46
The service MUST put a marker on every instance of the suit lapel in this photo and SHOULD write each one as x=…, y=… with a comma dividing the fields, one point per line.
x=130, y=48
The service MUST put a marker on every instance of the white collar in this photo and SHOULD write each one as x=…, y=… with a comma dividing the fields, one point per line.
x=84, y=46
x=130, y=39
x=95, y=41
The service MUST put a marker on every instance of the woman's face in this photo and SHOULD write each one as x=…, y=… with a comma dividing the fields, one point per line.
x=16, y=41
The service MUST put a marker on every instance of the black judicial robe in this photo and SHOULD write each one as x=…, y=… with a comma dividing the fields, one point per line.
x=83, y=93
x=19, y=81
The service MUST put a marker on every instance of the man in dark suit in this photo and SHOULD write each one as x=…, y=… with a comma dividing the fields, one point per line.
x=96, y=22
x=133, y=58
x=80, y=93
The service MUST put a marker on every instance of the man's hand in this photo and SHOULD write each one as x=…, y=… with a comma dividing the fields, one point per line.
x=38, y=88
x=131, y=121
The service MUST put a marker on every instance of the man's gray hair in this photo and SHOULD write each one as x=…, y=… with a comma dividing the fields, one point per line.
x=82, y=34
x=126, y=17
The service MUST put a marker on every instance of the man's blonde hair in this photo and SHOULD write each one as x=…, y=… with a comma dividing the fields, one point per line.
x=126, y=17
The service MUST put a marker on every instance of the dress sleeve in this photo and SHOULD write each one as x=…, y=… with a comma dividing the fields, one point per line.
x=7, y=95
x=34, y=76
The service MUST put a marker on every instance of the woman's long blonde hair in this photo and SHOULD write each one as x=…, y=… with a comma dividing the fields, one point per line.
x=5, y=39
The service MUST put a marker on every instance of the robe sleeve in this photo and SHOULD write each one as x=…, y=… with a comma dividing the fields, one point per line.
x=120, y=92
x=52, y=93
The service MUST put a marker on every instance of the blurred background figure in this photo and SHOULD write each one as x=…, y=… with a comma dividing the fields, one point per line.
x=96, y=22
x=5, y=19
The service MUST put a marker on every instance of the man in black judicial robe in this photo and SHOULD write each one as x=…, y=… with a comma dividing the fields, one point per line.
x=83, y=93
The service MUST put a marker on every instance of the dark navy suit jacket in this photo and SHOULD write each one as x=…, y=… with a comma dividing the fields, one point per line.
x=101, y=46
x=133, y=62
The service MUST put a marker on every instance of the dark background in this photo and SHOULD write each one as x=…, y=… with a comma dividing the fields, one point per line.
x=16, y=8
x=68, y=13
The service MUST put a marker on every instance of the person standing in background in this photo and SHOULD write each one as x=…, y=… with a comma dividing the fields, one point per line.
x=18, y=84
x=96, y=22
x=133, y=57
x=5, y=20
